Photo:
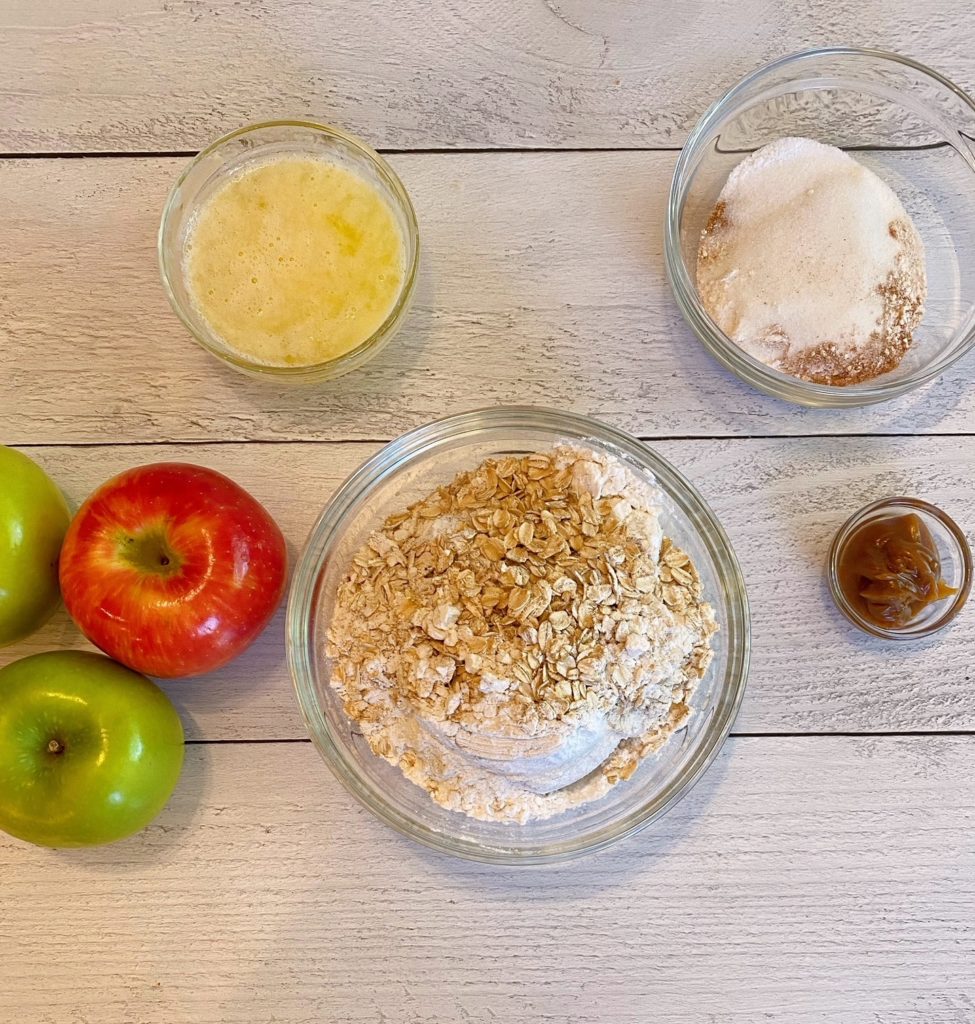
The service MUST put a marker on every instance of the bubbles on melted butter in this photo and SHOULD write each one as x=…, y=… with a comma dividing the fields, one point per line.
x=295, y=260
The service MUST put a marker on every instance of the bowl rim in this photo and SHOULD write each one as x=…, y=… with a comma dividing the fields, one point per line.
x=476, y=424
x=845, y=533
x=366, y=349
x=730, y=355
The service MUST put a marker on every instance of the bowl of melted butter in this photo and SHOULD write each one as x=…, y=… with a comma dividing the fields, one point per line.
x=289, y=249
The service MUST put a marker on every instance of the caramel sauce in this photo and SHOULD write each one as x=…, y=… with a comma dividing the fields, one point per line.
x=889, y=570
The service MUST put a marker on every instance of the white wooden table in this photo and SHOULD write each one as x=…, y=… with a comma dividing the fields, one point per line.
x=823, y=872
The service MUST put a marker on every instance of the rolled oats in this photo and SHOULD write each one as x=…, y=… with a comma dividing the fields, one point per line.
x=518, y=640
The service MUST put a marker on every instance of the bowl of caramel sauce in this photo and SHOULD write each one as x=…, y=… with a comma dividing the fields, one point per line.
x=900, y=568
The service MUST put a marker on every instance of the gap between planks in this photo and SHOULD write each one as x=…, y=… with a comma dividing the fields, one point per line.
x=187, y=154
x=646, y=439
x=843, y=734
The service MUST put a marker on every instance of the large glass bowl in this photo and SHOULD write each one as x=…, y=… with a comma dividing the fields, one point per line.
x=409, y=468
x=909, y=125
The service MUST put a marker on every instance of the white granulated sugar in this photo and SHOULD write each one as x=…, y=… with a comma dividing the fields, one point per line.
x=517, y=641
x=811, y=264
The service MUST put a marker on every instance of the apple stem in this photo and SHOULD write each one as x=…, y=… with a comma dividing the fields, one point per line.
x=55, y=747
x=149, y=552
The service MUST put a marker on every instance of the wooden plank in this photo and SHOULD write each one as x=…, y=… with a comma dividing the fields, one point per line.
x=407, y=74
x=780, y=501
x=803, y=881
x=542, y=283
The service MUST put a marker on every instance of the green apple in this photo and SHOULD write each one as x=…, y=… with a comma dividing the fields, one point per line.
x=90, y=751
x=33, y=519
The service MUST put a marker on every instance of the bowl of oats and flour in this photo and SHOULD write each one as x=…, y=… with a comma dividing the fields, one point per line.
x=518, y=635
x=819, y=223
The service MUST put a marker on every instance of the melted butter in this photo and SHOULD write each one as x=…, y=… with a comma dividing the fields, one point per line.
x=295, y=261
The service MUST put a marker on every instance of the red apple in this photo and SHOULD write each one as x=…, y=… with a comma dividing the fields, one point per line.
x=172, y=569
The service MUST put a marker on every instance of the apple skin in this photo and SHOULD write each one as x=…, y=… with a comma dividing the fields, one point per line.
x=33, y=519
x=89, y=750
x=172, y=569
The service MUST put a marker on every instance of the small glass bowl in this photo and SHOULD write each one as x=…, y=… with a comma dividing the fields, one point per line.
x=224, y=158
x=953, y=551
x=911, y=126
x=406, y=470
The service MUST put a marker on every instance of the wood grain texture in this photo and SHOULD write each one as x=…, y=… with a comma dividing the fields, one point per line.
x=780, y=502
x=542, y=283
x=807, y=879
x=408, y=74
x=803, y=881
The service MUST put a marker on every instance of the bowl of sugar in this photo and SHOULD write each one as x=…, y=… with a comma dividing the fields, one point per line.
x=818, y=227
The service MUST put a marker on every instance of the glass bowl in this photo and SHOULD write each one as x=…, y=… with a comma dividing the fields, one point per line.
x=224, y=158
x=953, y=551
x=909, y=125
x=406, y=470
